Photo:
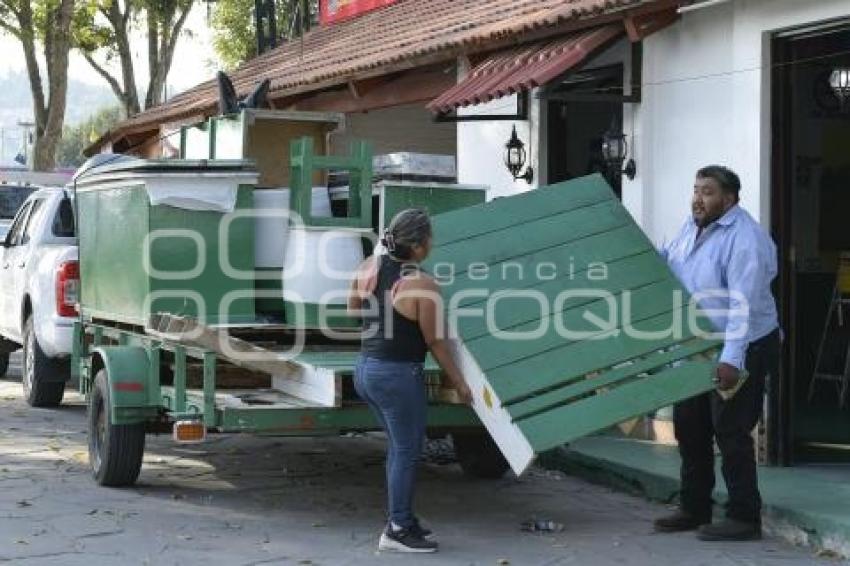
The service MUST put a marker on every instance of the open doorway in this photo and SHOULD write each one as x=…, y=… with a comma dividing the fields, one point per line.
x=577, y=118
x=811, y=214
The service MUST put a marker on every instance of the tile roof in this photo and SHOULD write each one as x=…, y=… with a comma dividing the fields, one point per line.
x=407, y=32
x=525, y=67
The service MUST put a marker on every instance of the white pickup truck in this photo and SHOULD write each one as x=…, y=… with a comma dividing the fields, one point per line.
x=39, y=284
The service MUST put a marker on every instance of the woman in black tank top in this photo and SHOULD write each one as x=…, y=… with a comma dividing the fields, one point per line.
x=399, y=305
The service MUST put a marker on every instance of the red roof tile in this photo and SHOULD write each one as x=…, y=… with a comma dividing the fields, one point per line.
x=524, y=68
x=408, y=31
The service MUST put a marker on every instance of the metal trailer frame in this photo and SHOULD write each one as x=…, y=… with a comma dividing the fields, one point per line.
x=140, y=398
x=133, y=360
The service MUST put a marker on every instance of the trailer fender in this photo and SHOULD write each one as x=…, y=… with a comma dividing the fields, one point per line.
x=128, y=373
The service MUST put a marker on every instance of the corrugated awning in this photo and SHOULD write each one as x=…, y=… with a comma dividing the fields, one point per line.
x=523, y=68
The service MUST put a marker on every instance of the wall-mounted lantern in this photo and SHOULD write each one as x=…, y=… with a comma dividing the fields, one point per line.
x=614, y=152
x=839, y=80
x=515, y=158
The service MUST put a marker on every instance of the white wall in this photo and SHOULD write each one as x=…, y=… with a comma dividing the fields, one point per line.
x=481, y=147
x=706, y=100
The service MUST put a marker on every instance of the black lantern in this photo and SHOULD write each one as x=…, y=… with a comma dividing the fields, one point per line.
x=614, y=151
x=839, y=80
x=515, y=157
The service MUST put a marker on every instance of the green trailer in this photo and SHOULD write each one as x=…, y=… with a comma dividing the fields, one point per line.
x=170, y=338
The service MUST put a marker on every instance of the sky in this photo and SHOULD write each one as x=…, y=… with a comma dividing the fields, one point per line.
x=192, y=63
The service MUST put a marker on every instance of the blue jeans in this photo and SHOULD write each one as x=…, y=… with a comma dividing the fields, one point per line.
x=395, y=391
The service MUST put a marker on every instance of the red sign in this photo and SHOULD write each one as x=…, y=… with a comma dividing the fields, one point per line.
x=332, y=11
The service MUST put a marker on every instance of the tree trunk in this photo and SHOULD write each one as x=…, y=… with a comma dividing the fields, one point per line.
x=162, y=41
x=119, y=21
x=27, y=35
x=153, y=96
x=49, y=111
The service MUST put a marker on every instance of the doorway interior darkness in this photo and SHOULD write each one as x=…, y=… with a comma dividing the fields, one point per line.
x=575, y=128
x=810, y=218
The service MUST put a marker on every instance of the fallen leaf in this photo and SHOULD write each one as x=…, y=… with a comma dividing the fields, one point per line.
x=21, y=541
x=504, y=561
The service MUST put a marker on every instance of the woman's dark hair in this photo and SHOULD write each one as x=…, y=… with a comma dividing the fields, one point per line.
x=408, y=228
x=725, y=177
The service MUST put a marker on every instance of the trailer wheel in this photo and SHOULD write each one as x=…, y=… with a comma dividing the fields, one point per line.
x=115, y=451
x=478, y=455
x=42, y=387
x=4, y=364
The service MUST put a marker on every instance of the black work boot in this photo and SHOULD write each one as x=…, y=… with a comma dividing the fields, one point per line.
x=730, y=530
x=680, y=521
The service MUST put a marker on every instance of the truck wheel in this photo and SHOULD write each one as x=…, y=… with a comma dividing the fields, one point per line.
x=115, y=451
x=41, y=389
x=478, y=455
x=4, y=364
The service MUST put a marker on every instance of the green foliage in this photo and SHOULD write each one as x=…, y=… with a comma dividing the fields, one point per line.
x=90, y=31
x=76, y=138
x=234, y=33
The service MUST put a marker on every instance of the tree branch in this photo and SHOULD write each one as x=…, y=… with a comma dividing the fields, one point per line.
x=175, y=34
x=113, y=82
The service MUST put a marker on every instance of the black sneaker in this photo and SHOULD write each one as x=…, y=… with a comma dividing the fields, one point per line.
x=416, y=529
x=405, y=540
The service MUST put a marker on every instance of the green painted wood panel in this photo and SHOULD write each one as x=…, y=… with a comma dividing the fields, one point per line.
x=588, y=415
x=573, y=389
x=493, y=351
x=525, y=271
x=345, y=360
x=622, y=274
x=113, y=225
x=434, y=199
x=125, y=281
x=528, y=376
x=537, y=235
x=535, y=390
x=505, y=212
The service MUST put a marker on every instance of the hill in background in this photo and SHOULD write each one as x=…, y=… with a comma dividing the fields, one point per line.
x=84, y=100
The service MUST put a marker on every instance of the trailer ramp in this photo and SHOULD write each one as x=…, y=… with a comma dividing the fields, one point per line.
x=566, y=319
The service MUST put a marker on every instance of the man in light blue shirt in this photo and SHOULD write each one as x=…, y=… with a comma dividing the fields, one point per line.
x=726, y=261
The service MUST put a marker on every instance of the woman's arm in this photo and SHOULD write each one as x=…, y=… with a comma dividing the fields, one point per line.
x=429, y=315
x=364, y=282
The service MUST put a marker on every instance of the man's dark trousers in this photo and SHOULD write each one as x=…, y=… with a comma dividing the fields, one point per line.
x=699, y=420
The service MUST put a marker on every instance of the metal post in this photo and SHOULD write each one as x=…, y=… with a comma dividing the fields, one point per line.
x=179, y=379
x=209, y=389
x=155, y=391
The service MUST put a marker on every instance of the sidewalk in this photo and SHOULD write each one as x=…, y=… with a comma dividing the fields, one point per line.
x=807, y=505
